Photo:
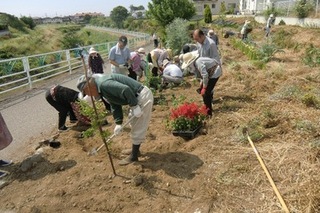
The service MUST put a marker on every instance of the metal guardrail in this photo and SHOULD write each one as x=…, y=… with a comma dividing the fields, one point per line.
x=24, y=71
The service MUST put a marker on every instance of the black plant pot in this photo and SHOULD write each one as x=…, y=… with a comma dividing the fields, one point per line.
x=188, y=134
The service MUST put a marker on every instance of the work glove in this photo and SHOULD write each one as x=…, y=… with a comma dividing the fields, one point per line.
x=122, y=66
x=136, y=110
x=203, y=91
x=117, y=129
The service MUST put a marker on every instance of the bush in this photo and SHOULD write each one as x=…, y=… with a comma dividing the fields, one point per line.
x=282, y=22
x=303, y=8
x=177, y=35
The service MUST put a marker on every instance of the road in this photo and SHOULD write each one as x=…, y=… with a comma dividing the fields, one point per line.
x=30, y=118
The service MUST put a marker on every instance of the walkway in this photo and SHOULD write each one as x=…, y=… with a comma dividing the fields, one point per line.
x=31, y=118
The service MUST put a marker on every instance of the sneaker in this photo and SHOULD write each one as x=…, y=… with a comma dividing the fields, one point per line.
x=63, y=129
x=3, y=174
x=5, y=163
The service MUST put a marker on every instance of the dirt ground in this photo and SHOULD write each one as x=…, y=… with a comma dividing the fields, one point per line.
x=217, y=171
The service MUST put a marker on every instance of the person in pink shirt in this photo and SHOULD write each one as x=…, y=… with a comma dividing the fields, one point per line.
x=138, y=64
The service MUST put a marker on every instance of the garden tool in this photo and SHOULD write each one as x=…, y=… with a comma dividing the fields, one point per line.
x=94, y=151
x=97, y=116
x=274, y=187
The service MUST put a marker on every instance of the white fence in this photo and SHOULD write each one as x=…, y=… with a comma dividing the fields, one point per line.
x=21, y=72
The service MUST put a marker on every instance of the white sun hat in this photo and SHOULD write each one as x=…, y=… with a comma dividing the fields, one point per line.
x=92, y=50
x=141, y=51
x=189, y=58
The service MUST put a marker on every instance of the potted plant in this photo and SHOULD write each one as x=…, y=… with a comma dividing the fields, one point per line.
x=187, y=119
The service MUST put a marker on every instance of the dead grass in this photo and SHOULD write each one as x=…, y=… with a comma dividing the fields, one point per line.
x=215, y=172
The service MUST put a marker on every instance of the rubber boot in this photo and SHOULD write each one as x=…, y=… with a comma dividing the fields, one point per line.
x=132, y=157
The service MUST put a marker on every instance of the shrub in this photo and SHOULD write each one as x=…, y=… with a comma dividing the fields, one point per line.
x=207, y=14
x=282, y=22
x=312, y=56
x=177, y=35
x=303, y=8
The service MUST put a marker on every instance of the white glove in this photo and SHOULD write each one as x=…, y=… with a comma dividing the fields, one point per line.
x=117, y=129
x=121, y=66
x=136, y=110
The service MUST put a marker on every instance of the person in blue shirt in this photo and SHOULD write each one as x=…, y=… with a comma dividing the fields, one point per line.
x=119, y=57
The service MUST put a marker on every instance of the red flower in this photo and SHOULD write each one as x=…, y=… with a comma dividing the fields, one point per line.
x=187, y=116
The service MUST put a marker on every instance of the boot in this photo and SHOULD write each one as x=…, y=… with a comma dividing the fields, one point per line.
x=132, y=157
x=128, y=152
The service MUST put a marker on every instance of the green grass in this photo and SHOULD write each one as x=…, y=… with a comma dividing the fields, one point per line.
x=48, y=38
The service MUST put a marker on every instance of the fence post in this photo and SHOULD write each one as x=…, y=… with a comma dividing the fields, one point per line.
x=26, y=68
x=68, y=60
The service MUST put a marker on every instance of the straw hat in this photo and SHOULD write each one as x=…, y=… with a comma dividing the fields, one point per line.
x=210, y=33
x=92, y=50
x=169, y=53
x=165, y=62
x=189, y=58
x=141, y=51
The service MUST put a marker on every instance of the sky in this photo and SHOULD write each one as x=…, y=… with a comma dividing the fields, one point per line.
x=44, y=8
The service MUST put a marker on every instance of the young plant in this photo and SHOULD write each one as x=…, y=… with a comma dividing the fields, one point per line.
x=96, y=121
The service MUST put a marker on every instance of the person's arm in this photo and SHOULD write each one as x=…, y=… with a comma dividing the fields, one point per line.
x=112, y=57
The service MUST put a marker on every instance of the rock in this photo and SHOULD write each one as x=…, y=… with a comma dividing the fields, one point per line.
x=137, y=180
x=29, y=162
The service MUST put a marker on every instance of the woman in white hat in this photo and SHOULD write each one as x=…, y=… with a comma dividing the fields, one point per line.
x=270, y=21
x=208, y=70
x=95, y=62
x=137, y=67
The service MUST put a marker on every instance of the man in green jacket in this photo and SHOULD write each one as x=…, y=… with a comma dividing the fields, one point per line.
x=122, y=90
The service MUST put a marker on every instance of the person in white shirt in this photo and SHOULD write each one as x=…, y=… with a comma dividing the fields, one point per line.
x=171, y=73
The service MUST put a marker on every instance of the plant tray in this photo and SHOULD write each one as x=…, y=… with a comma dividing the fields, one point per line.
x=187, y=135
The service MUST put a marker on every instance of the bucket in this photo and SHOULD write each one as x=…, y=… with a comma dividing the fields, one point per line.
x=5, y=135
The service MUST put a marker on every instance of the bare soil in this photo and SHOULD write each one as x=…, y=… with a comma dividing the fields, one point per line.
x=217, y=171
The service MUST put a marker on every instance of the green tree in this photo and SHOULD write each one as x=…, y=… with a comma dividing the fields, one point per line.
x=177, y=35
x=303, y=8
x=165, y=11
x=28, y=21
x=207, y=14
x=223, y=8
x=134, y=8
x=118, y=15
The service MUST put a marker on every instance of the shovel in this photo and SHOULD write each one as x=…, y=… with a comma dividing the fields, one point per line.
x=95, y=151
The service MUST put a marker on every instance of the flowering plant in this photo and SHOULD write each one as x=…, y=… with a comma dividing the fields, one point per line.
x=187, y=117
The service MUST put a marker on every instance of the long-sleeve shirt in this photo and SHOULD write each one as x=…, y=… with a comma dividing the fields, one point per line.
x=203, y=64
x=119, y=90
x=209, y=49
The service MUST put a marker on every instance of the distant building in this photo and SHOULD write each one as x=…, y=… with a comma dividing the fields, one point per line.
x=258, y=6
x=214, y=6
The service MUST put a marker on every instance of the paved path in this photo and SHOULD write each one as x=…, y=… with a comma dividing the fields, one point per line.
x=31, y=117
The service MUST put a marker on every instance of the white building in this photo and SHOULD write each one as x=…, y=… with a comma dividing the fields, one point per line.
x=215, y=5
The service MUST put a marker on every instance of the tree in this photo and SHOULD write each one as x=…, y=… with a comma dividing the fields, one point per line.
x=165, y=11
x=223, y=8
x=28, y=21
x=177, y=34
x=134, y=8
x=303, y=8
x=207, y=14
x=118, y=15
